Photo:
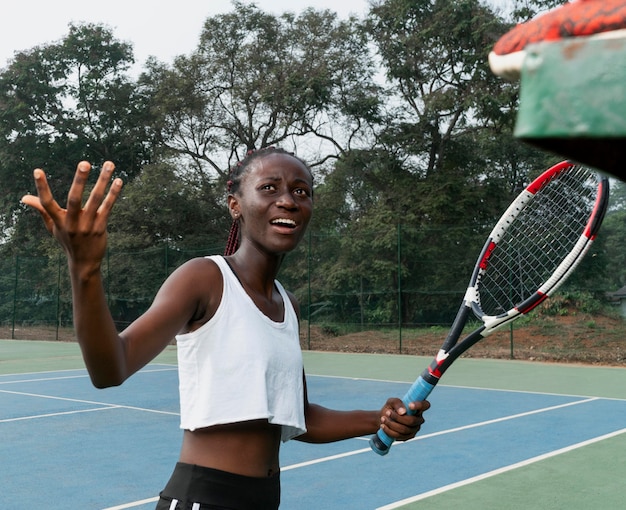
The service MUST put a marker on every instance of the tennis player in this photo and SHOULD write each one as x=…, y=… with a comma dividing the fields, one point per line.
x=242, y=385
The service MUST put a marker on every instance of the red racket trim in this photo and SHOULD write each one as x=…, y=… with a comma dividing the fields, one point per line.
x=483, y=262
x=533, y=301
x=547, y=176
x=599, y=209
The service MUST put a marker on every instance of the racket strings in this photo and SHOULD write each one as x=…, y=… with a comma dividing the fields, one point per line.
x=537, y=240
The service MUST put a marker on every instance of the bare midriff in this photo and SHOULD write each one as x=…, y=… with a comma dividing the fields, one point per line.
x=248, y=448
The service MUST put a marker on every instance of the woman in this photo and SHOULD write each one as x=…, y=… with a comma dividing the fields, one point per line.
x=242, y=383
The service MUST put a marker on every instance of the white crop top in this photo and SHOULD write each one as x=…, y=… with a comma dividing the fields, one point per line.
x=241, y=365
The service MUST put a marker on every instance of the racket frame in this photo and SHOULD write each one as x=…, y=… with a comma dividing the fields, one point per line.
x=451, y=349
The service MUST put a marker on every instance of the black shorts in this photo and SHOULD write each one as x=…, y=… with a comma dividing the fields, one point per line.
x=200, y=488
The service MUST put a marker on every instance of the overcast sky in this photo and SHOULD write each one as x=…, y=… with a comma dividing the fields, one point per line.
x=158, y=28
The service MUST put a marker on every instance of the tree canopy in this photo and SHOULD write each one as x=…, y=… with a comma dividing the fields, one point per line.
x=257, y=80
x=65, y=102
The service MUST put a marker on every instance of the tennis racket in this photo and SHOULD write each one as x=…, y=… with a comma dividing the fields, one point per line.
x=532, y=250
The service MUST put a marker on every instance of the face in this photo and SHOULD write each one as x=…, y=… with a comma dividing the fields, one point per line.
x=274, y=203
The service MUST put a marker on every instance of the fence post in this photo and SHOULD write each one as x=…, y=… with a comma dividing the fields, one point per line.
x=17, y=265
x=308, y=322
x=400, y=285
x=108, y=277
x=58, y=314
x=167, y=260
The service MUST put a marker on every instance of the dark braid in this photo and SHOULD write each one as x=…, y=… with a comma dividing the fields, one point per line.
x=234, y=181
x=233, y=239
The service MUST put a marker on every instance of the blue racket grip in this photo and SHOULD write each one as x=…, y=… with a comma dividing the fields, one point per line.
x=381, y=442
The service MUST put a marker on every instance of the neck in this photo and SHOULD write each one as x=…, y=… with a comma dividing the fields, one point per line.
x=255, y=269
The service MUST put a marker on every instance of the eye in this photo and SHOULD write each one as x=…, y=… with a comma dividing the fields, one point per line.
x=302, y=192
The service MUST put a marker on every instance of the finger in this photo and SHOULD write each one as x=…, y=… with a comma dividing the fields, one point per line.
x=75, y=195
x=97, y=193
x=397, y=406
x=404, y=420
x=107, y=204
x=402, y=431
x=35, y=203
x=47, y=204
x=419, y=406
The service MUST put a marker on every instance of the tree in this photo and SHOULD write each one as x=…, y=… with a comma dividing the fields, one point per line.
x=435, y=57
x=159, y=221
x=444, y=168
x=613, y=236
x=162, y=207
x=64, y=102
x=523, y=10
x=257, y=80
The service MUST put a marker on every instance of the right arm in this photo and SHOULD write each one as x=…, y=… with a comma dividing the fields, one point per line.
x=111, y=357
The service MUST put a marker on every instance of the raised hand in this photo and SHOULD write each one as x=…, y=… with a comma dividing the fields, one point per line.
x=81, y=230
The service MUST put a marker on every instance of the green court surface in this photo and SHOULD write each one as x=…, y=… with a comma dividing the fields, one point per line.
x=607, y=382
x=585, y=478
x=22, y=356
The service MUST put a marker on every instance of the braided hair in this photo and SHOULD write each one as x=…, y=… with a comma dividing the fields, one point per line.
x=234, y=181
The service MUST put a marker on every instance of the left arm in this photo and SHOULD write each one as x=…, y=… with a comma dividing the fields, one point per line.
x=327, y=425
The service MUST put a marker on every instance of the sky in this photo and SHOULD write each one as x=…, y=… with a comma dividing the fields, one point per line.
x=163, y=29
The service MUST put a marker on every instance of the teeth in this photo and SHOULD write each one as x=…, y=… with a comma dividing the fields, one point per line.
x=284, y=221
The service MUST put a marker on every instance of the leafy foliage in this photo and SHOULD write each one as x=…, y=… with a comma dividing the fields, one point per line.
x=258, y=80
x=65, y=102
x=408, y=131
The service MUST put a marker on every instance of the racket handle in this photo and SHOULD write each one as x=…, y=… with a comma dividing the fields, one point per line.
x=381, y=442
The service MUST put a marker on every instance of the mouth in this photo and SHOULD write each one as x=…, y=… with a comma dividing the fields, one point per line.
x=284, y=223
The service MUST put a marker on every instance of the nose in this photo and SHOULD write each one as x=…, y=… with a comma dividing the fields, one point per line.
x=286, y=200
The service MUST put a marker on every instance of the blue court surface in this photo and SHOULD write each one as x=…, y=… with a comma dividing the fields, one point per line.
x=67, y=445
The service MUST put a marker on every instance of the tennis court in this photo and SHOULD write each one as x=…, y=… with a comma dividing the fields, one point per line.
x=500, y=434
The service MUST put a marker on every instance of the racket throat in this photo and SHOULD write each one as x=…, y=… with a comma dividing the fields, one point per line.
x=433, y=373
x=455, y=331
x=528, y=304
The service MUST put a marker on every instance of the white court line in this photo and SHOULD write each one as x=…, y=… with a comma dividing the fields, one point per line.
x=46, y=379
x=90, y=402
x=440, y=433
x=102, y=405
x=396, y=445
x=50, y=415
x=496, y=472
x=133, y=504
x=465, y=387
x=84, y=375
x=504, y=418
x=19, y=374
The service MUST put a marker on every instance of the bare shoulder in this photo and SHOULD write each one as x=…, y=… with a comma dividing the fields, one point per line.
x=199, y=267
x=194, y=275
x=199, y=283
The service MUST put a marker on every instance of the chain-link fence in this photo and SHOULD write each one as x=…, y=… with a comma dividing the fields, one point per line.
x=376, y=291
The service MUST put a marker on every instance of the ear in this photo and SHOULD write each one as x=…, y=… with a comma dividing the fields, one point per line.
x=233, y=207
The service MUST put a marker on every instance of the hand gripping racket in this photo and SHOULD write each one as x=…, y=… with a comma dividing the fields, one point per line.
x=531, y=251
